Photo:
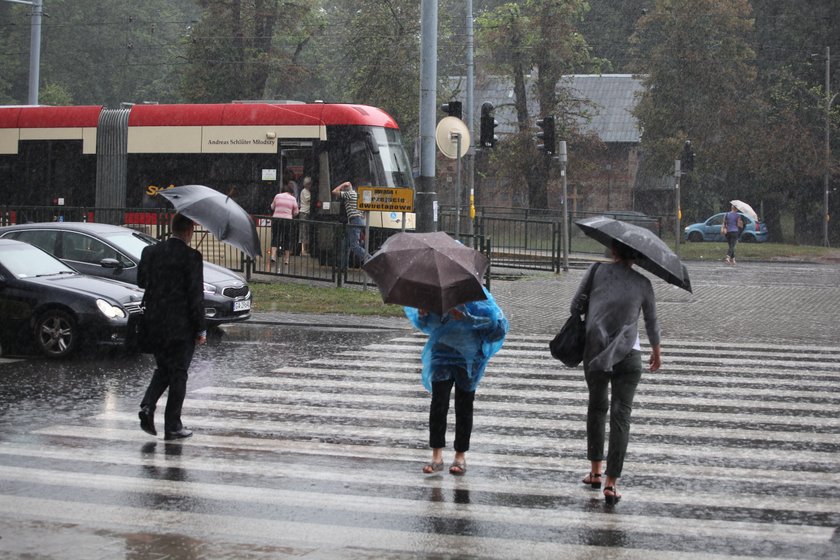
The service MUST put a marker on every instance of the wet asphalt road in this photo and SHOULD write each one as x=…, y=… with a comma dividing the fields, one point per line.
x=309, y=442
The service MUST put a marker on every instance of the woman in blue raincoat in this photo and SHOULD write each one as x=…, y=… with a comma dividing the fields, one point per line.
x=460, y=345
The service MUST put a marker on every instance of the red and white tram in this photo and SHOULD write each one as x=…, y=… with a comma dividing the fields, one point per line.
x=92, y=156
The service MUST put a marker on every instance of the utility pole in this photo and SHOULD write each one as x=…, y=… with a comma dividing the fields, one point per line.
x=468, y=114
x=427, y=210
x=34, y=47
x=564, y=159
x=827, y=171
x=678, y=213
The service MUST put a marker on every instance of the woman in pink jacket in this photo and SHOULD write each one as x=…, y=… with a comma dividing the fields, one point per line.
x=284, y=207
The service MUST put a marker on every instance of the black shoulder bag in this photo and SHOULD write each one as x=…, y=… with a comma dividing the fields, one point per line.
x=567, y=346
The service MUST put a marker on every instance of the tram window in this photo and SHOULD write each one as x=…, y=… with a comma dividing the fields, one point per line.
x=359, y=164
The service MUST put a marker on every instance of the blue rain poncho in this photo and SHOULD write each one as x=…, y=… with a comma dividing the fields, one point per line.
x=468, y=342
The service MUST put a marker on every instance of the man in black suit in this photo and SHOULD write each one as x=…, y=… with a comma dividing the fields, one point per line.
x=172, y=273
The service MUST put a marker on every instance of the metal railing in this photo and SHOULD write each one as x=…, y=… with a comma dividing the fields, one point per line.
x=520, y=239
x=328, y=259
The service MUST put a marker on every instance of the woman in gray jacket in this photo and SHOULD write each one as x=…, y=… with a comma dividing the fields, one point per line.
x=612, y=358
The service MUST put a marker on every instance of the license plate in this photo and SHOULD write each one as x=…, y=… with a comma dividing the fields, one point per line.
x=243, y=305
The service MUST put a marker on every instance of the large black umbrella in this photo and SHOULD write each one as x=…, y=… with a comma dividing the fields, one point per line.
x=428, y=271
x=654, y=255
x=219, y=215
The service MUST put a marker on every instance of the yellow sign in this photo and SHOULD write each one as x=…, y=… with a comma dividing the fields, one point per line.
x=385, y=199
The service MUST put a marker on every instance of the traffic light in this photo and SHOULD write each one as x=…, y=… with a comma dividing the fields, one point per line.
x=488, y=124
x=453, y=109
x=547, y=136
x=688, y=157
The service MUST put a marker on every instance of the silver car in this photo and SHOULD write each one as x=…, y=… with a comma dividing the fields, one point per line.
x=113, y=252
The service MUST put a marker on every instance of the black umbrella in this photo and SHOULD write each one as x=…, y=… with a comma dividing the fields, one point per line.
x=219, y=215
x=428, y=271
x=654, y=255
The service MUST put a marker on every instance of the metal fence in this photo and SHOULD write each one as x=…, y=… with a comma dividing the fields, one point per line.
x=511, y=238
x=327, y=259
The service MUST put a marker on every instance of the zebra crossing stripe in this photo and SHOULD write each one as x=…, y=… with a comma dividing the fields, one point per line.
x=554, y=368
x=312, y=538
x=509, y=376
x=530, y=358
x=561, y=464
x=799, y=534
x=368, y=404
x=401, y=476
x=483, y=416
x=490, y=389
x=580, y=397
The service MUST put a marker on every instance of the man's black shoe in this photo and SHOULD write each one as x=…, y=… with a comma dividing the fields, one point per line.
x=182, y=433
x=147, y=421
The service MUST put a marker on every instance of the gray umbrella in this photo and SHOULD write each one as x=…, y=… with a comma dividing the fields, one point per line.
x=427, y=271
x=654, y=255
x=219, y=215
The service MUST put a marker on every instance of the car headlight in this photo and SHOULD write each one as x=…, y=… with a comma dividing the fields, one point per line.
x=209, y=288
x=110, y=311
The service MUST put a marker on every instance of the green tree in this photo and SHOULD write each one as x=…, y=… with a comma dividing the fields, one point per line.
x=14, y=53
x=52, y=94
x=248, y=50
x=608, y=26
x=791, y=39
x=540, y=36
x=102, y=52
x=698, y=67
x=369, y=52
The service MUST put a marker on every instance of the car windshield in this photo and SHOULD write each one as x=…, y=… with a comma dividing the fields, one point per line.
x=131, y=243
x=25, y=261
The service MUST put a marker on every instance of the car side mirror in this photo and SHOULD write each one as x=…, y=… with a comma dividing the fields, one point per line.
x=110, y=263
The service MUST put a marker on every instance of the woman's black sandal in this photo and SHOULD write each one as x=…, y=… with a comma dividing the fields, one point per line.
x=613, y=499
x=591, y=478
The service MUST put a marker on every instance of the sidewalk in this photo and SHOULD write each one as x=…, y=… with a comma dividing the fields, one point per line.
x=767, y=302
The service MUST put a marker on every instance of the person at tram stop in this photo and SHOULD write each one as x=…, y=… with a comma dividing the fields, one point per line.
x=733, y=225
x=460, y=345
x=289, y=179
x=355, y=220
x=612, y=361
x=305, y=208
x=284, y=208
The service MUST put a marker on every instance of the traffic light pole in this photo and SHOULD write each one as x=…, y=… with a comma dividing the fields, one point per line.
x=34, y=47
x=470, y=120
x=563, y=157
x=427, y=207
x=678, y=213
x=458, y=139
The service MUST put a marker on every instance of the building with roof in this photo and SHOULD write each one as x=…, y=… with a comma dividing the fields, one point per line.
x=608, y=179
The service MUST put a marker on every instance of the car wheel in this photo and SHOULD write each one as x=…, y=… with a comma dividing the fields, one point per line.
x=748, y=238
x=695, y=236
x=56, y=333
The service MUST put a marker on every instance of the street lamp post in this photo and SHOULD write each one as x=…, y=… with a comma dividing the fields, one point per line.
x=563, y=156
x=34, y=47
x=827, y=171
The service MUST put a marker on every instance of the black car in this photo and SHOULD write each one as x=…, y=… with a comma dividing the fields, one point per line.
x=44, y=301
x=114, y=252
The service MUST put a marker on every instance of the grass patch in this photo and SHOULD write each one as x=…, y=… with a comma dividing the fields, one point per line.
x=296, y=297
x=707, y=250
x=302, y=298
x=710, y=250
